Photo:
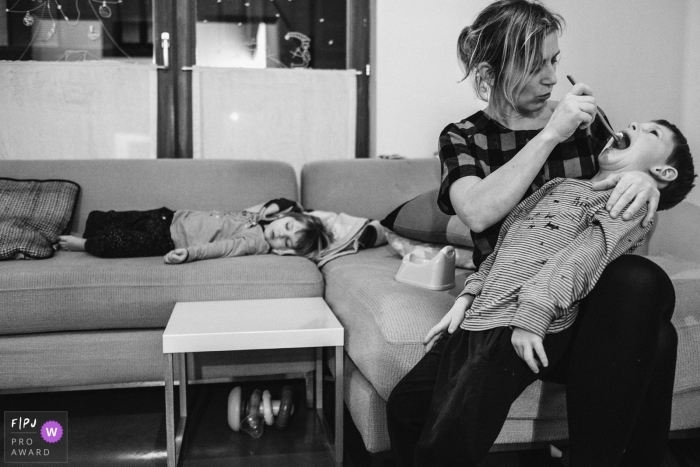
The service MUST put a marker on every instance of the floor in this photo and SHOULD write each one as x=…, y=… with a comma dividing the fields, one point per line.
x=126, y=428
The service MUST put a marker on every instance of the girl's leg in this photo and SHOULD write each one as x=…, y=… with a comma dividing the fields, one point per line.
x=103, y=221
x=122, y=243
x=620, y=377
x=129, y=234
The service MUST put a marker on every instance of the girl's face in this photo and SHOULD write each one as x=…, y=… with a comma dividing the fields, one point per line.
x=538, y=88
x=283, y=233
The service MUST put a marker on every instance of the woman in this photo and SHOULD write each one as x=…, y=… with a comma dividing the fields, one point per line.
x=618, y=359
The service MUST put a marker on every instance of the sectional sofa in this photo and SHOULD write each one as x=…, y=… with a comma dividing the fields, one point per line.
x=74, y=321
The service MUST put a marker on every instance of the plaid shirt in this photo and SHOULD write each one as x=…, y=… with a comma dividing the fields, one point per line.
x=478, y=145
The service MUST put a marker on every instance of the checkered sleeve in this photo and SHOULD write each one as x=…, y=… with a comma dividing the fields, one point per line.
x=457, y=160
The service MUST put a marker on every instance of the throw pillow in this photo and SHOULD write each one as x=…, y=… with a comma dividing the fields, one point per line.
x=403, y=246
x=33, y=213
x=421, y=219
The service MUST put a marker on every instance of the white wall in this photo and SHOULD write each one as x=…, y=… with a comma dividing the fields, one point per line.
x=641, y=57
x=416, y=73
x=690, y=97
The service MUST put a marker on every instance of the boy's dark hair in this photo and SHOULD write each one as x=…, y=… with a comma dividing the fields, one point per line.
x=682, y=161
x=313, y=237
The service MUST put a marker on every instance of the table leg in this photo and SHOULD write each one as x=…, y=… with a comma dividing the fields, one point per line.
x=173, y=439
x=336, y=449
x=319, y=377
x=309, y=384
x=183, y=384
x=180, y=434
x=339, y=401
x=169, y=408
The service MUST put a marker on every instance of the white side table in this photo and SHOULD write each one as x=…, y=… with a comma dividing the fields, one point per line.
x=251, y=325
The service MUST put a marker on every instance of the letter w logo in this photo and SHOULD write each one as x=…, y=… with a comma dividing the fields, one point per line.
x=52, y=432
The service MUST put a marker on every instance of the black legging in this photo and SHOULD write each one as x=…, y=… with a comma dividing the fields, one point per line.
x=129, y=234
x=617, y=361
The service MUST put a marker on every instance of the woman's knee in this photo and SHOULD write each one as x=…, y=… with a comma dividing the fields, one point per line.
x=668, y=342
x=639, y=279
x=637, y=273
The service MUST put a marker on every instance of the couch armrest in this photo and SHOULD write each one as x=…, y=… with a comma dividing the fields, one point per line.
x=677, y=233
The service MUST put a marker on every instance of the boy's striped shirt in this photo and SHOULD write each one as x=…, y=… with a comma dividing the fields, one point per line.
x=551, y=250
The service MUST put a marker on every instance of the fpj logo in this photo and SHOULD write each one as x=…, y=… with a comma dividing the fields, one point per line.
x=36, y=437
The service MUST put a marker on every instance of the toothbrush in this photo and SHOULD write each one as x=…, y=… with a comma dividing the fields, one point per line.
x=618, y=137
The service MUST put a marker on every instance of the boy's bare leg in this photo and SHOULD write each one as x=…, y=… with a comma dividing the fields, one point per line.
x=71, y=243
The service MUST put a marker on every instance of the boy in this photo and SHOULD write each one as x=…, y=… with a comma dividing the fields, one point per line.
x=551, y=250
x=559, y=240
x=185, y=236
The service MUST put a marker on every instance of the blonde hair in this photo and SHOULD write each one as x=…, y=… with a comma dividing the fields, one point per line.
x=509, y=35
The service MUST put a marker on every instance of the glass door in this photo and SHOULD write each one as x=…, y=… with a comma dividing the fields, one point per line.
x=277, y=79
x=78, y=79
x=271, y=34
x=120, y=78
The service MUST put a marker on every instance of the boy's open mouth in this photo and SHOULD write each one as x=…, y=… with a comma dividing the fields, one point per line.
x=624, y=143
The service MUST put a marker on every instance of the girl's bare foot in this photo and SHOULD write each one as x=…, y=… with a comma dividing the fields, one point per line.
x=71, y=243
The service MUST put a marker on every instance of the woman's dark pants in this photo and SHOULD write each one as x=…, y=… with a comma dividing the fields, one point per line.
x=617, y=361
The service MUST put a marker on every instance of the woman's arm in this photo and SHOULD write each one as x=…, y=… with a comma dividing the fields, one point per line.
x=490, y=199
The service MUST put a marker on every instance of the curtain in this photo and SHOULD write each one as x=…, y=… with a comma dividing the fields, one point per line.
x=78, y=110
x=293, y=115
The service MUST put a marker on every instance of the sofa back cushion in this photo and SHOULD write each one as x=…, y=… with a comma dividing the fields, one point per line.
x=226, y=185
x=369, y=188
x=676, y=233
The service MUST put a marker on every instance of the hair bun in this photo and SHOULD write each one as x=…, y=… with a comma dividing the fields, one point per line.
x=464, y=48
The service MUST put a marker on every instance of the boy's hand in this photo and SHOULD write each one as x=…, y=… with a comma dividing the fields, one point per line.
x=449, y=322
x=177, y=256
x=628, y=186
x=526, y=345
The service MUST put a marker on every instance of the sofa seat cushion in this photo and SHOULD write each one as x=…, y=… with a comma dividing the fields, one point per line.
x=75, y=291
x=386, y=321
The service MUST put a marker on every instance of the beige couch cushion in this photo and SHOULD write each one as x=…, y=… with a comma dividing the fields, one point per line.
x=75, y=291
x=369, y=188
x=385, y=320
